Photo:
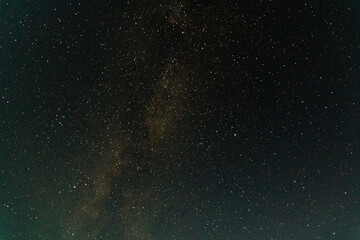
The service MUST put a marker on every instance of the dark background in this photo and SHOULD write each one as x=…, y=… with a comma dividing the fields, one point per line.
x=179, y=120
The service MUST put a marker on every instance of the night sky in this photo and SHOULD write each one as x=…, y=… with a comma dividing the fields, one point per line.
x=179, y=120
